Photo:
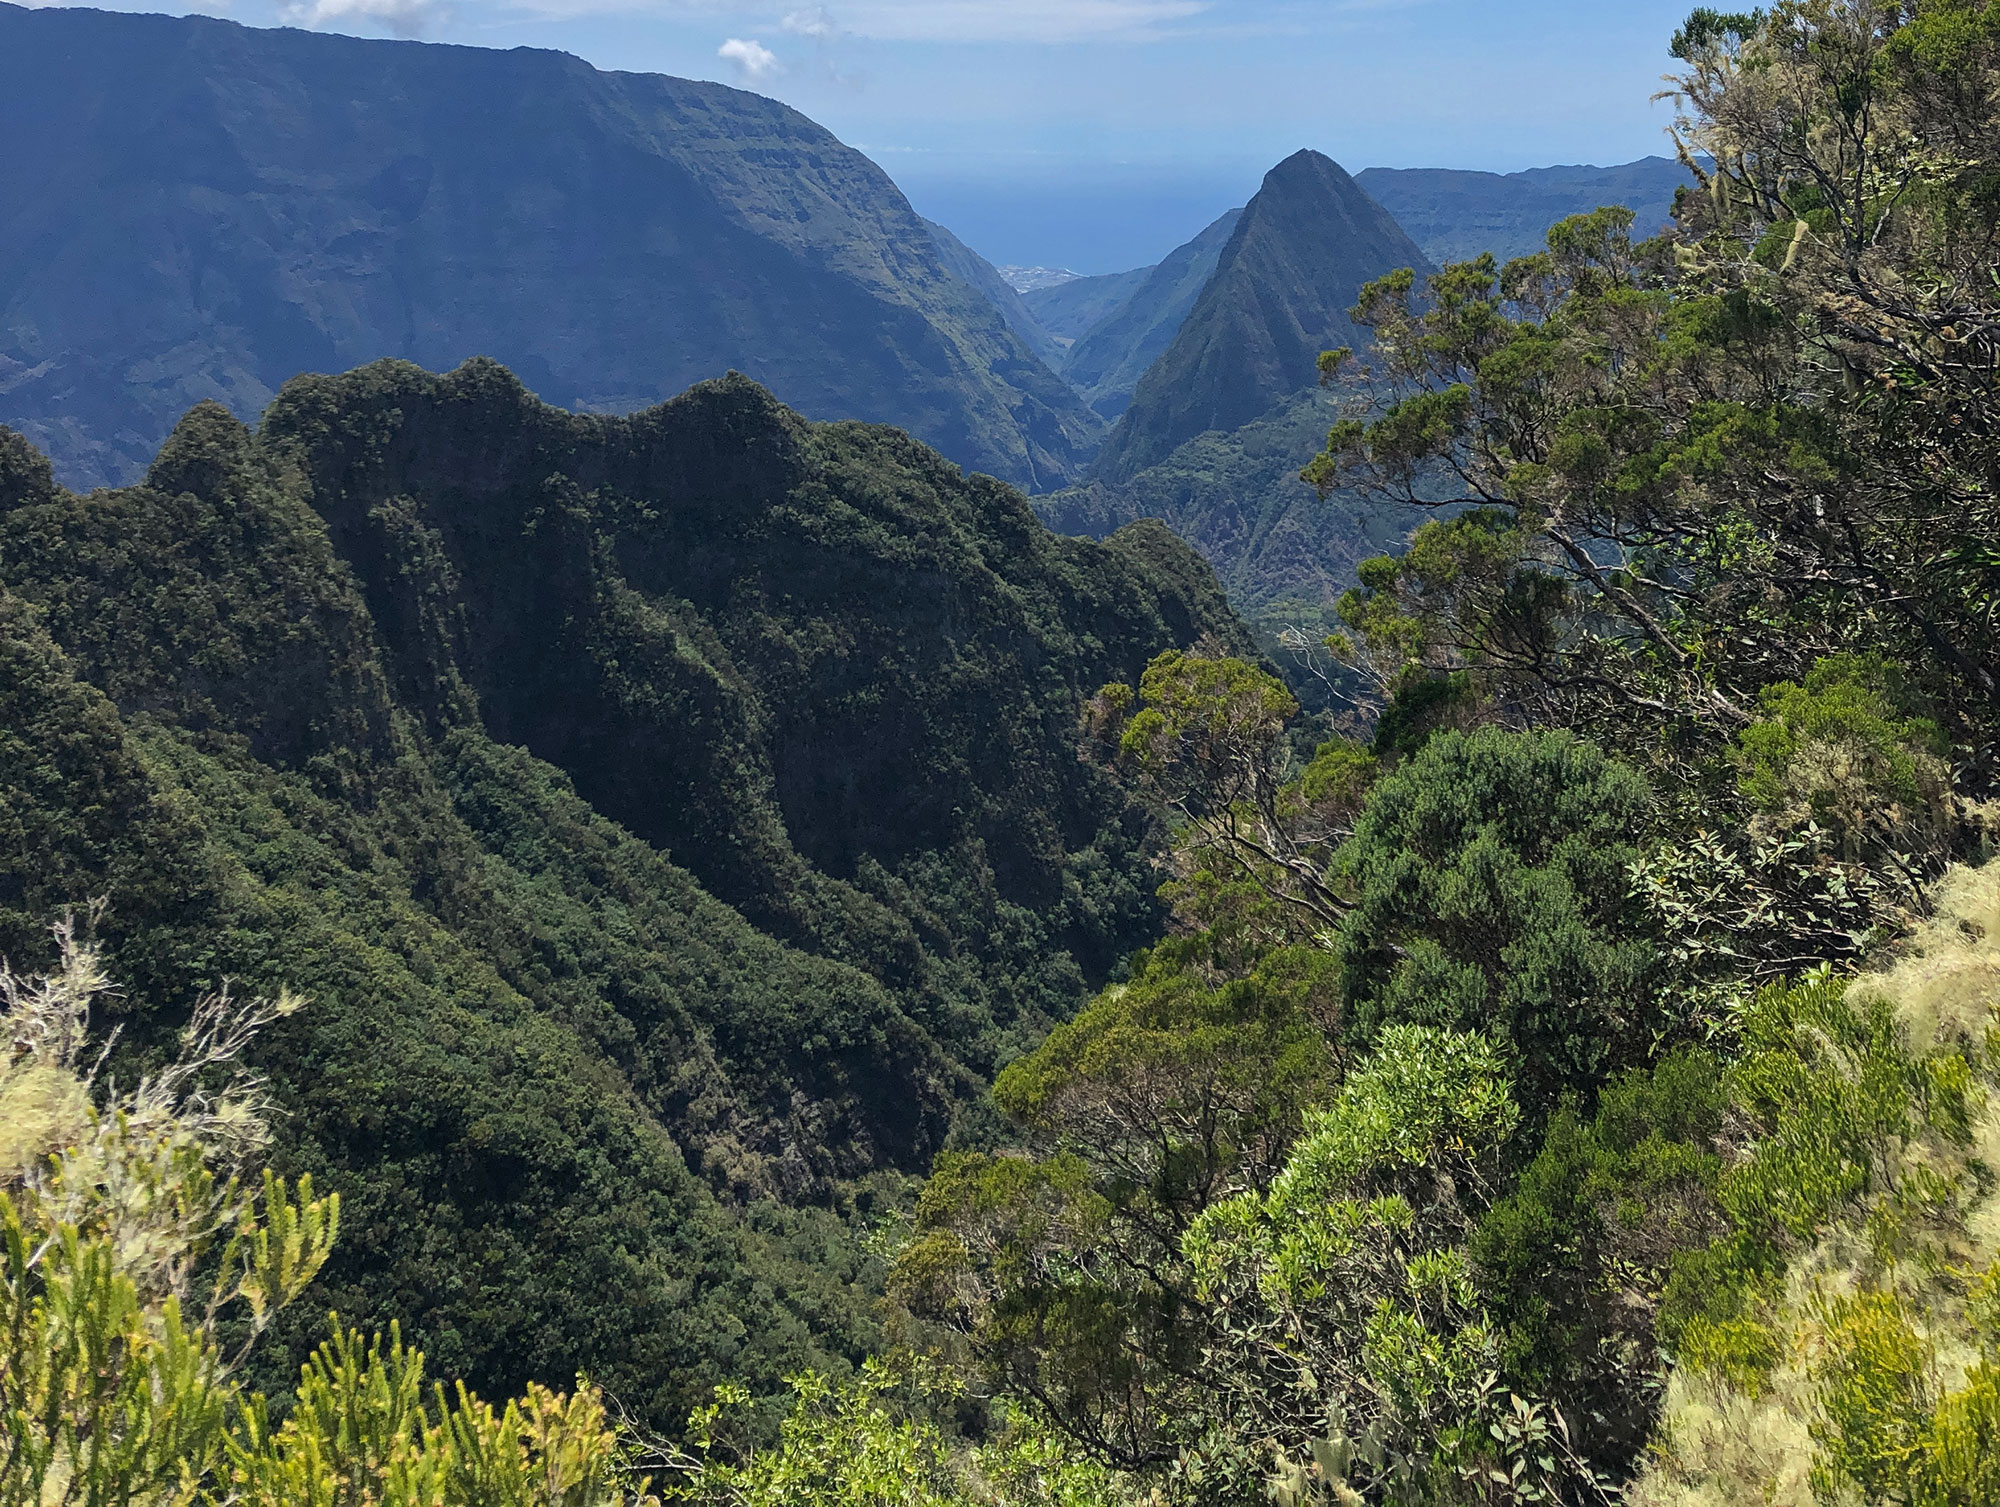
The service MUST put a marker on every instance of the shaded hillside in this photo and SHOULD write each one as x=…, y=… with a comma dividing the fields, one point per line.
x=1105, y=365
x=972, y=269
x=1279, y=548
x=191, y=209
x=1456, y=215
x=1279, y=296
x=672, y=819
x=1068, y=310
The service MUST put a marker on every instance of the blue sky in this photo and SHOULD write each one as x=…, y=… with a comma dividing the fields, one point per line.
x=1097, y=134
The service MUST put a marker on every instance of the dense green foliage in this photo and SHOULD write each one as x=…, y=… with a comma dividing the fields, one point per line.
x=1574, y=1258
x=583, y=1114
x=1603, y=1177
x=1835, y=1332
x=1702, y=470
x=1261, y=1166
x=1505, y=1117
x=877, y=1440
x=139, y=1264
x=1490, y=878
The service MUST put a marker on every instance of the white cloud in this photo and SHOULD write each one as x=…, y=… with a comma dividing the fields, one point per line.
x=754, y=58
x=402, y=18
x=817, y=23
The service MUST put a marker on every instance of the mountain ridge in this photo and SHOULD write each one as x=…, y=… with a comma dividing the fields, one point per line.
x=1107, y=361
x=1069, y=310
x=1280, y=295
x=972, y=269
x=197, y=210
x=656, y=901
x=1455, y=214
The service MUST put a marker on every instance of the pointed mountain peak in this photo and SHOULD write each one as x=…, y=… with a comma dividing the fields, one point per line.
x=1280, y=295
x=1107, y=363
x=1303, y=164
x=1307, y=174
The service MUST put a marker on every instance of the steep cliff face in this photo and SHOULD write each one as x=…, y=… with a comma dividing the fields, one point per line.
x=1105, y=365
x=746, y=638
x=1279, y=296
x=191, y=209
x=673, y=820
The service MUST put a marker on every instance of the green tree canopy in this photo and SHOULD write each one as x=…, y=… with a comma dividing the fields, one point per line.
x=1491, y=884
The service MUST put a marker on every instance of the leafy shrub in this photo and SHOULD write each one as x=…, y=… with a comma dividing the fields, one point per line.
x=1069, y=1306
x=138, y=1268
x=874, y=1440
x=1491, y=887
x=1835, y=1094
x=1205, y=738
x=1182, y=1087
x=361, y=1429
x=1842, y=1334
x=1844, y=751
x=1345, y=1292
x=1573, y=1258
x=1183, y=1084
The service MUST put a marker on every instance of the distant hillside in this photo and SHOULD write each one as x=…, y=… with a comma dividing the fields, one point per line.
x=1068, y=310
x=1456, y=215
x=1276, y=545
x=1279, y=296
x=972, y=269
x=192, y=209
x=1107, y=363
x=673, y=821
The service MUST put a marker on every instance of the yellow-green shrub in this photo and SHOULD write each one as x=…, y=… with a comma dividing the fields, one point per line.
x=1843, y=1341
x=132, y=1241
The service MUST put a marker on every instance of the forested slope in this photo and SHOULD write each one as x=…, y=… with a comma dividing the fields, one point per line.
x=972, y=269
x=1280, y=549
x=1582, y=1090
x=673, y=820
x=1574, y=1082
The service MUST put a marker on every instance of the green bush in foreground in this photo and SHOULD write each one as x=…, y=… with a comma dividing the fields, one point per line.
x=875, y=1440
x=138, y=1266
x=1839, y=1341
